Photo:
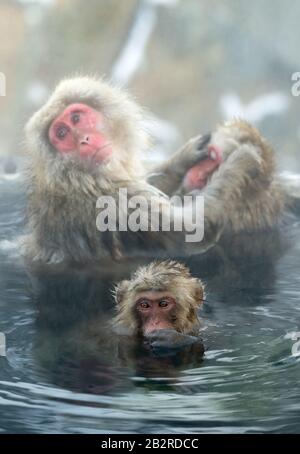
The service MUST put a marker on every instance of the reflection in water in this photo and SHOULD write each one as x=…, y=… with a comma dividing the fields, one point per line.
x=66, y=372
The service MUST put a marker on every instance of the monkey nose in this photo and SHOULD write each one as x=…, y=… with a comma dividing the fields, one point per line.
x=85, y=140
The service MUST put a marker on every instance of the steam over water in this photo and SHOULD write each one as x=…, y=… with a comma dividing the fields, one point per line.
x=55, y=378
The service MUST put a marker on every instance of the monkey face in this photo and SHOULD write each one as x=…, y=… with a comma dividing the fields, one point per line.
x=80, y=131
x=155, y=311
x=159, y=296
x=198, y=176
x=89, y=132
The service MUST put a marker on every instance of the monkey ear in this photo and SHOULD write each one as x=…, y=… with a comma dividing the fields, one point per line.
x=120, y=291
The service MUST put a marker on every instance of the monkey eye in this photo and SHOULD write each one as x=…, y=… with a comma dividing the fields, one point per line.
x=61, y=132
x=144, y=304
x=163, y=303
x=75, y=118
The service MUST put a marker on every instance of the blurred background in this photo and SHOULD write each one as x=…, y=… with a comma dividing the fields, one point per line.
x=191, y=63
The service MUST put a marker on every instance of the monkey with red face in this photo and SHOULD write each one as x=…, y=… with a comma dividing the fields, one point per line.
x=159, y=305
x=83, y=144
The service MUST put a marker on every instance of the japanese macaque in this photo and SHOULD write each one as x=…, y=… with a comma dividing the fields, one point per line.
x=86, y=142
x=160, y=305
x=238, y=159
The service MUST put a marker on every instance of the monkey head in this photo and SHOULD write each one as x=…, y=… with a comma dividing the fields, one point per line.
x=81, y=130
x=86, y=125
x=218, y=149
x=159, y=296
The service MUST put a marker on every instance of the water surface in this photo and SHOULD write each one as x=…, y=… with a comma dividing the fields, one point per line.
x=56, y=379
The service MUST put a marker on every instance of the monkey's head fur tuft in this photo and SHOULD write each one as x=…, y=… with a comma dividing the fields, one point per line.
x=161, y=276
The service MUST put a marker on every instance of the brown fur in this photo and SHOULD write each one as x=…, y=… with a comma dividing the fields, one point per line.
x=259, y=200
x=63, y=190
x=168, y=276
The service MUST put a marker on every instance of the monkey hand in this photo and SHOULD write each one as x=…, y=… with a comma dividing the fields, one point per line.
x=168, y=342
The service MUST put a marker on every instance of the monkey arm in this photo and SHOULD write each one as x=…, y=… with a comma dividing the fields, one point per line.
x=231, y=186
x=228, y=188
x=236, y=176
x=290, y=186
x=168, y=175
